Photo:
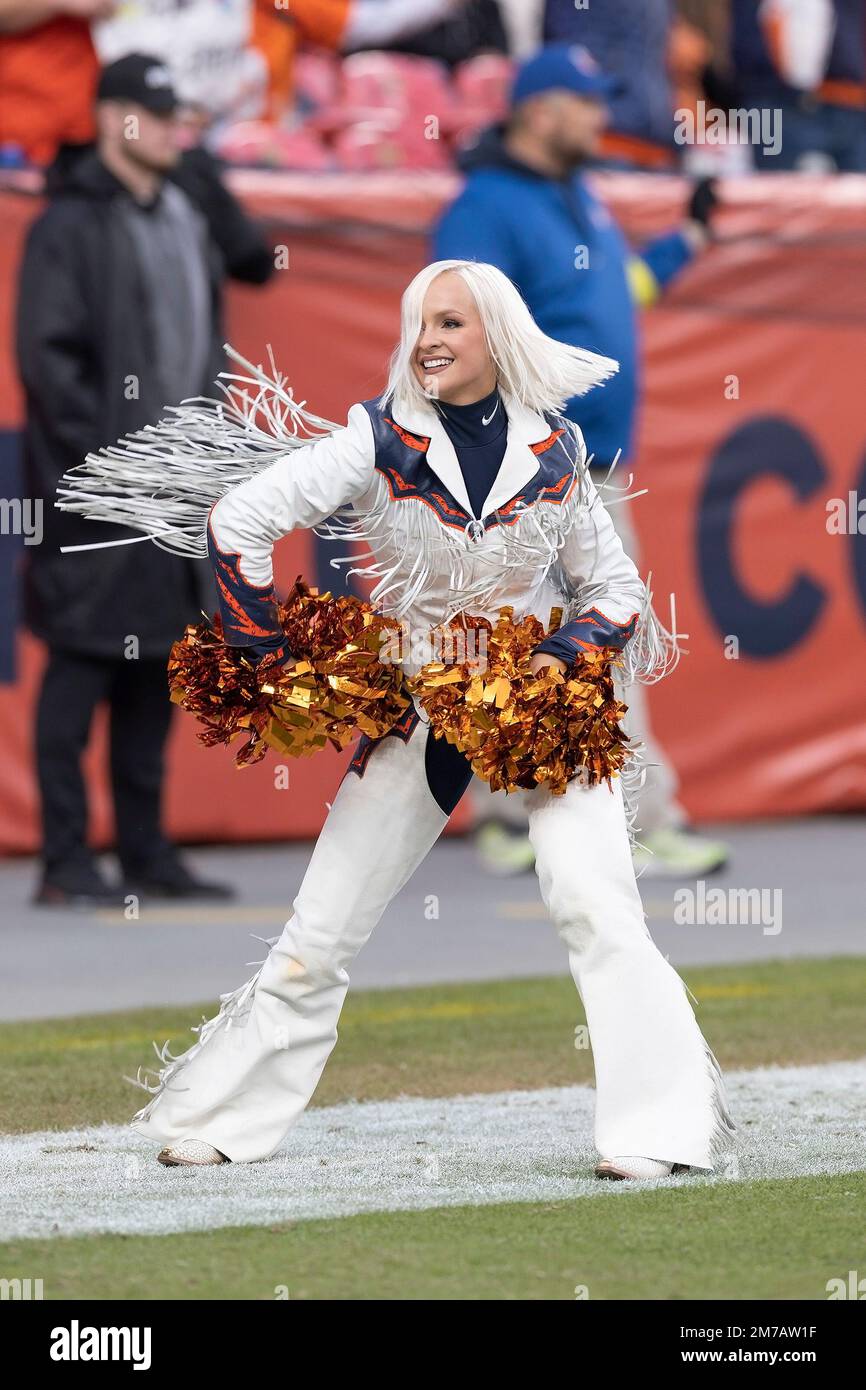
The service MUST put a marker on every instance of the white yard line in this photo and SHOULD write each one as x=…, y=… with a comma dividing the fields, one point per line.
x=402, y=1155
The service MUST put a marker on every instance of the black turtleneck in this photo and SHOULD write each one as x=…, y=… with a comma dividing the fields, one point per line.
x=479, y=433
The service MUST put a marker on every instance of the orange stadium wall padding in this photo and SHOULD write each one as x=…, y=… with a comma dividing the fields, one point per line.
x=752, y=423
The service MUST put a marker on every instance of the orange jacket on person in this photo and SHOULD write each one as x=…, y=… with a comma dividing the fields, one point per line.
x=277, y=33
x=47, y=84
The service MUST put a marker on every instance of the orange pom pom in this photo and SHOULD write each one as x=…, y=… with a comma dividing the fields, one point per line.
x=335, y=689
x=520, y=729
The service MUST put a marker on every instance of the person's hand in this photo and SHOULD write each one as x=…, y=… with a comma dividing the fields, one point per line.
x=542, y=659
x=88, y=9
x=702, y=205
x=272, y=669
x=704, y=201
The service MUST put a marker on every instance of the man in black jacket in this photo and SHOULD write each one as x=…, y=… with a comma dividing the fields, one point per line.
x=119, y=316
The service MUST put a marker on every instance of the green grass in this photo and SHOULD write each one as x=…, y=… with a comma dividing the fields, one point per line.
x=440, y=1040
x=777, y=1240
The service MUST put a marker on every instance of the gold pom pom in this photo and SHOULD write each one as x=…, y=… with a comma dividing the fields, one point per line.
x=336, y=688
x=520, y=729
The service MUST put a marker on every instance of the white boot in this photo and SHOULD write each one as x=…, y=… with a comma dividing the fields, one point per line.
x=191, y=1153
x=659, y=1089
x=633, y=1166
x=256, y=1064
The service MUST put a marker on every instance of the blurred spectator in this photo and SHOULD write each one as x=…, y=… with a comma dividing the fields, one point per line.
x=807, y=60
x=523, y=23
x=234, y=59
x=376, y=110
x=208, y=46
x=477, y=27
x=278, y=33
x=527, y=209
x=341, y=25
x=688, y=59
x=48, y=72
x=119, y=315
x=629, y=39
x=697, y=80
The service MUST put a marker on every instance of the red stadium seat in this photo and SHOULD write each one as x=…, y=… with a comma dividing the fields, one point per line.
x=395, y=80
x=368, y=145
x=381, y=110
x=414, y=88
x=262, y=144
x=389, y=143
x=482, y=85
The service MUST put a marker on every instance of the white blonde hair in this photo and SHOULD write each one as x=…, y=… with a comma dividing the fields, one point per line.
x=540, y=372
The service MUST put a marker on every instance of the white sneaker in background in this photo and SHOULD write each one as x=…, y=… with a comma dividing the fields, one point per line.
x=678, y=853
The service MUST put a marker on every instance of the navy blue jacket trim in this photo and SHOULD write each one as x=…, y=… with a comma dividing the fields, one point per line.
x=249, y=612
x=401, y=458
x=590, y=632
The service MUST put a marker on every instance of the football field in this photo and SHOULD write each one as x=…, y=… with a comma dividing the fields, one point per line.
x=449, y=1154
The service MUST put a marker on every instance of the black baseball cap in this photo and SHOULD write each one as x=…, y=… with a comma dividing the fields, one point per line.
x=139, y=78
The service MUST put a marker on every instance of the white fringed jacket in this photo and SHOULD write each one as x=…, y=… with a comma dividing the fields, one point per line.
x=395, y=484
x=230, y=478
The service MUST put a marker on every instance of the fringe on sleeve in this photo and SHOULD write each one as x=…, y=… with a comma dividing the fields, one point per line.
x=163, y=479
x=654, y=650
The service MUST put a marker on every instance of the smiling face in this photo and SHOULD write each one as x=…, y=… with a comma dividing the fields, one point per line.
x=451, y=360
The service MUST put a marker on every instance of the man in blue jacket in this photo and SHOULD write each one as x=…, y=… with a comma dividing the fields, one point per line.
x=526, y=208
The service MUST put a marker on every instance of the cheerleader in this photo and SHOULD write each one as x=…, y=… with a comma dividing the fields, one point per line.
x=470, y=489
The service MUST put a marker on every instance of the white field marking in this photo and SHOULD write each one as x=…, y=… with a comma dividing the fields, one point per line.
x=399, y=1155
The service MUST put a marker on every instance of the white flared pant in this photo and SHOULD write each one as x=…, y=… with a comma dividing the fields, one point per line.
x=255, y=1066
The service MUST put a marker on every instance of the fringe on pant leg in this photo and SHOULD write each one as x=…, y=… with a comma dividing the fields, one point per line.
x=723, y=1127
x=234, y=1011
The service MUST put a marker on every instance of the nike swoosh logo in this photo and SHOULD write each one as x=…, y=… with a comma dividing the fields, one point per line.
x=485, y=419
